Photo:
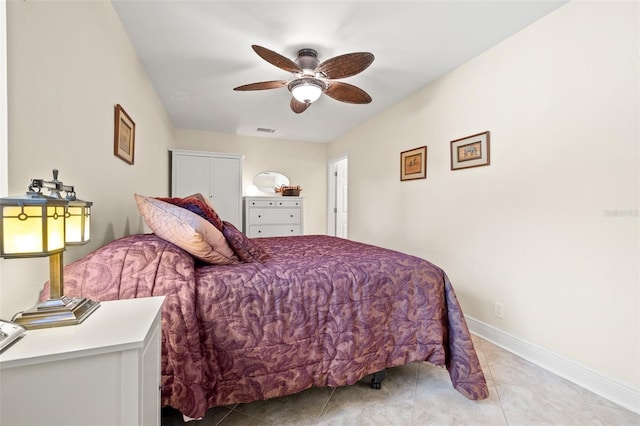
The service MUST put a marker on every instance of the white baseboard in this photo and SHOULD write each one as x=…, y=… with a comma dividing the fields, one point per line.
x=611, y=389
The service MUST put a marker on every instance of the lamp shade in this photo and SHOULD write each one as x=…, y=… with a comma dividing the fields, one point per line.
x=35, y=225
x=78, y=222
x=32, y=225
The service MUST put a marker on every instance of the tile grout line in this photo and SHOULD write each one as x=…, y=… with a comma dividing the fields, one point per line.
x=415, y=392
x=484, y=353
x=229, y=411
x=324, y=407
x=249, y=416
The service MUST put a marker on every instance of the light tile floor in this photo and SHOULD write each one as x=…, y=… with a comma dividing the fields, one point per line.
x=421, y=394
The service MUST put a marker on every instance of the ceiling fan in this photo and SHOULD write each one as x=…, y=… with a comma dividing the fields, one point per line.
x=312, y=77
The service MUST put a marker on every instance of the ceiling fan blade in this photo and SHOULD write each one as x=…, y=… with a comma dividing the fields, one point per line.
x=345, y=65
x=276, y=59
x=297, y=106
x=263, y=85
x=348, y=93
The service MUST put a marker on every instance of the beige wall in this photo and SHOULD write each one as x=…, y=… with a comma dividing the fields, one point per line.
x=69, y=63
x=550, y=228
x=304, y=163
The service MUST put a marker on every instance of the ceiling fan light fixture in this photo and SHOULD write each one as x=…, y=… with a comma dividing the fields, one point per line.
x=307, y=89
x=312, y=78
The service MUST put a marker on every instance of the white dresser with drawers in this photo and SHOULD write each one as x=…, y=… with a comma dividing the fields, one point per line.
x=273, y=216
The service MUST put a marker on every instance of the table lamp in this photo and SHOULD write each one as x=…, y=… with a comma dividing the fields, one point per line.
x=37, y=225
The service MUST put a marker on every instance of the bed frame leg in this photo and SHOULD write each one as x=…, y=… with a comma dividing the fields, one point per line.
x=377, y=378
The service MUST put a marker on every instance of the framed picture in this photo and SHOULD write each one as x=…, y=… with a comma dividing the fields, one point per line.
x=124, y=135
x=413, y=164
x=472, y=151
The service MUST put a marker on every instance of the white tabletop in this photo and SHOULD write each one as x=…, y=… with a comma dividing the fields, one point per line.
x=115, y=326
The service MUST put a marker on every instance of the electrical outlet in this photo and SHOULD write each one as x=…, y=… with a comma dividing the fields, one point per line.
x=498, y=310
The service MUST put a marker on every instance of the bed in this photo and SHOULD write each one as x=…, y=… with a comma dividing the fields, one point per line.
x=283, y=315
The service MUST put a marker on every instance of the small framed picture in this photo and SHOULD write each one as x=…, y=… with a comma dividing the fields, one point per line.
x=124, y=135
x=413, y=164
x=472, y=151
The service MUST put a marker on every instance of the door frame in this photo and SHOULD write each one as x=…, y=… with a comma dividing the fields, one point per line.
x=331, y=193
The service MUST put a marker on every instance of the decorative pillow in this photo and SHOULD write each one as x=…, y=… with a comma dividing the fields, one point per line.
x=186, y=229
x=242, y=245
x=198, y=204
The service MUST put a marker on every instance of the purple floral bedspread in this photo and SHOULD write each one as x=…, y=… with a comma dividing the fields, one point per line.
x=317, y=311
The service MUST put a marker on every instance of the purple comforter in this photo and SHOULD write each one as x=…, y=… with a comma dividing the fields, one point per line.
x=317, y=311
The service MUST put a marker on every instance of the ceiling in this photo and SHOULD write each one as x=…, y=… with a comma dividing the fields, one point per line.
x=196, y=52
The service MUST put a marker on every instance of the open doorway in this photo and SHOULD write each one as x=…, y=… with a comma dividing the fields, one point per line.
x=338, y=218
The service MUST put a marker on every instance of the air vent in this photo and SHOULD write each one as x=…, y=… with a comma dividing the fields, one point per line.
x=265, y=130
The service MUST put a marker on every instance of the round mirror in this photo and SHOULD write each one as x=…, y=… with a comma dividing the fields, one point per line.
x=268, y=181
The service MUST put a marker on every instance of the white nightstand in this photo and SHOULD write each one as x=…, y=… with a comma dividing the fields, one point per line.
x=105, y=371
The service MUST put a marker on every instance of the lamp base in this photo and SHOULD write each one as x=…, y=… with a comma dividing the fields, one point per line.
x=57, y=313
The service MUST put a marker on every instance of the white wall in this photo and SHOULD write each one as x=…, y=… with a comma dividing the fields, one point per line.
x=551, y=227
x=304, y=163
x=69, y=63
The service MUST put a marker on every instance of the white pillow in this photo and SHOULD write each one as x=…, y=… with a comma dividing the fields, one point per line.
x=187, y=230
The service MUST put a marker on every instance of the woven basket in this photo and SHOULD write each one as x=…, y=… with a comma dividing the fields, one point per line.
x=291, y=192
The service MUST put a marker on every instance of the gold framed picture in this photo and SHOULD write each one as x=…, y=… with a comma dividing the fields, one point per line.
x=413, y=164
x=471, y=151
x=124, y=135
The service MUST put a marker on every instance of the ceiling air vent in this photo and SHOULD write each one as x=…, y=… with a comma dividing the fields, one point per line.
x=265, y=130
